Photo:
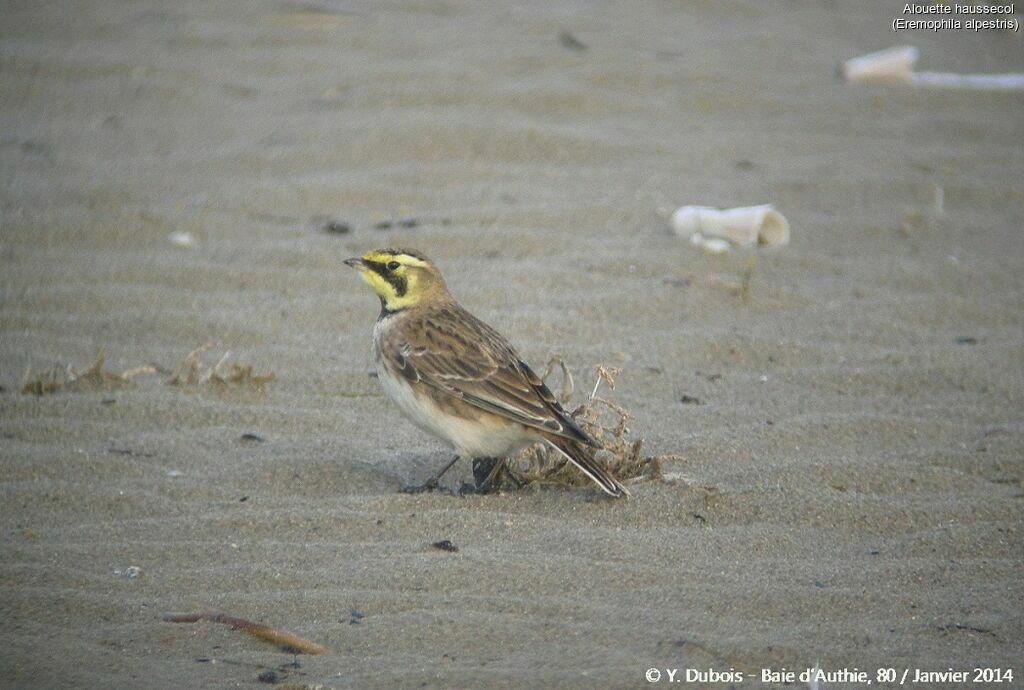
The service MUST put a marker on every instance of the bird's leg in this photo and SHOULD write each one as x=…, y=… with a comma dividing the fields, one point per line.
x=485, y=474
x=431, y=483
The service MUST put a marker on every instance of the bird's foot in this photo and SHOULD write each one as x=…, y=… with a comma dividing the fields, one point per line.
x=430, y=484
x=469, y=489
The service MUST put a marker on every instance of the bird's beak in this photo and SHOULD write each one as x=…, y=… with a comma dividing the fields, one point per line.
x=356, y=262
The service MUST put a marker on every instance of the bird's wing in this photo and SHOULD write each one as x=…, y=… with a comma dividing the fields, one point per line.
x=453, y=352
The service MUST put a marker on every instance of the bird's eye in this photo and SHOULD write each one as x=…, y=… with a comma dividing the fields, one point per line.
x=393, y=265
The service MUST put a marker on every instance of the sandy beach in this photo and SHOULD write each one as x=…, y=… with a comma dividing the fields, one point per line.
x=847, y=410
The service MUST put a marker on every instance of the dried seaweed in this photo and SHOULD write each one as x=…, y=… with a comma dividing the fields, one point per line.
x=742, y=287
x=95, y=377
x=605, y=421
x=747, y=276
x=43, y=383
x=190, y=372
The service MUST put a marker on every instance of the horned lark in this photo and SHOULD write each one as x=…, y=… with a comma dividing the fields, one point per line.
x=459, y=379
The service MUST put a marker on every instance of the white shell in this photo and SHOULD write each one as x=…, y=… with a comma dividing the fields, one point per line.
x=891, y=64
x=712, y=245
x=897, y=65
x=182, y=239
x=739, y=227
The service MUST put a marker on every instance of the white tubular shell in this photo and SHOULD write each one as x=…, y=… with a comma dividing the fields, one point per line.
x=741, y=227
x=891, y=65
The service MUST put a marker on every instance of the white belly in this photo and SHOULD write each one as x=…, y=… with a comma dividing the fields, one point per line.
x=489, y=437
x=485, y=436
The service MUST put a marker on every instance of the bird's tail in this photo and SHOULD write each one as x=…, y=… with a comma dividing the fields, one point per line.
x=583, y=457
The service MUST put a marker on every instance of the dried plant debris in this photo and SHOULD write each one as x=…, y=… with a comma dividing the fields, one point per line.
x=191, y=372
x=605, y=421
x=42, y=383
x=742, y=287
x=285, y=640
x=95, y=377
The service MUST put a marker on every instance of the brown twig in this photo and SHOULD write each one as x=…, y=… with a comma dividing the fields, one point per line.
x=287, y=641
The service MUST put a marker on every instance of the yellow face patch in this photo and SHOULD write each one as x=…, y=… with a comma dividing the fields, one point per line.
x=394, y=277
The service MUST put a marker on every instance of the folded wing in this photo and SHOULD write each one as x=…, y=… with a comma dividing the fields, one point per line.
x=466, y=358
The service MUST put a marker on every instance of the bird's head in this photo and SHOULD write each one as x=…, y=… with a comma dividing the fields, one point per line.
x=402, y=278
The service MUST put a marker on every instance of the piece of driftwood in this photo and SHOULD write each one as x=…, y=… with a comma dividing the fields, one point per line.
x=287, y=641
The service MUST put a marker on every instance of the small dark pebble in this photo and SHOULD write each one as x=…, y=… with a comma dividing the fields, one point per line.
x=571, y=42
x=202, y=660
x=268, y=677
x=249, y=436
x=769, y=422
x=965, y=340
x=445, y=545
x=129, y=452
x=336, y=227
x=699, y=518
x=36, y=148
x=690, y=400
x=243, y=499
x=357, y=616
x=400, y=223
x=874, y=552
x=819, y=584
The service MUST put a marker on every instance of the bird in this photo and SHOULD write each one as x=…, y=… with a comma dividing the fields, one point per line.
x=457, y=378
